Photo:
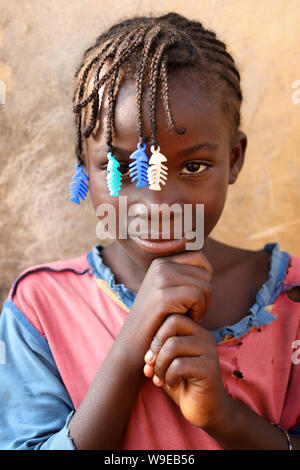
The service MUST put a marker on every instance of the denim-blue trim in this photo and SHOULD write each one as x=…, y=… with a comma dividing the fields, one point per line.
x=272, y=287
x=26, y=323
x=101, y=271
x=257, y=316
x=267, y=295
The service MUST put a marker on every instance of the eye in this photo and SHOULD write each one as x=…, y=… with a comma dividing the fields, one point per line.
x=194, y=167
x=123, y=168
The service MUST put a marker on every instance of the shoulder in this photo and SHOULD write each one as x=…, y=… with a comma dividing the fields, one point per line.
x=36, y=275
x=42, y=286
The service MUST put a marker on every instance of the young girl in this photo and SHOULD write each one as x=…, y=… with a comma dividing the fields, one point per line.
x=144, y=344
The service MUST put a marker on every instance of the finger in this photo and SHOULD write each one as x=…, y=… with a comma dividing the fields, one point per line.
x=166, y=271
x=148, y=370
x=192, y=271
x=192, y=299
x=200, y=291
x=178, y=346
x=193, y=369
x=183, y=276
x=176, y=325
x=193, y=258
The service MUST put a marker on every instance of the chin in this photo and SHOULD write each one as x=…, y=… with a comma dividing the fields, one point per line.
x=141, y=256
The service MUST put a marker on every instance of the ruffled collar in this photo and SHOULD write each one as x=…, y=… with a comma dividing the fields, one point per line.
x=258, y=314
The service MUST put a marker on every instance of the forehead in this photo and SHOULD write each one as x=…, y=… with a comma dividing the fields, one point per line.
x=194, y=104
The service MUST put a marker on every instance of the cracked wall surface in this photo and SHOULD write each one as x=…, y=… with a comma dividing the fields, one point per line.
x=41, y=44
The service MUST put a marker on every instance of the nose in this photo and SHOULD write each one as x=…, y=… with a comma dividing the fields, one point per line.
x=160, y=207
x=169, y=194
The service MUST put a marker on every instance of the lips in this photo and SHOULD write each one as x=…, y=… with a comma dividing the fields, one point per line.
x=160, y=246
x=158, y=236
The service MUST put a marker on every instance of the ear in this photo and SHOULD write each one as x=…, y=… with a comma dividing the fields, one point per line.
x=237, y=155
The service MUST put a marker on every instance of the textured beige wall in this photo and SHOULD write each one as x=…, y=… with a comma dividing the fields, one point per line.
x=41, y=43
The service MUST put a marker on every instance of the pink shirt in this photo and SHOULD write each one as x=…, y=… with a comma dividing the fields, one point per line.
x=81, y=315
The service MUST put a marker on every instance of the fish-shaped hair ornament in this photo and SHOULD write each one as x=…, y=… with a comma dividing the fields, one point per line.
x=114, y=176
x=139, y=169
x=157, y=172
x=78, y=188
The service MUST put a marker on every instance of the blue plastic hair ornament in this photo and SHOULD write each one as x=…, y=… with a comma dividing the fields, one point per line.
x=114, y=176
x=78, y=188
x=139, y=168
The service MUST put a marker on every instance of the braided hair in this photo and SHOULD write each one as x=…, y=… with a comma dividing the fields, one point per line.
x=151, y=47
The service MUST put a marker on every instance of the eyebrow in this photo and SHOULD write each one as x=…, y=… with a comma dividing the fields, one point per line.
x=203, y=145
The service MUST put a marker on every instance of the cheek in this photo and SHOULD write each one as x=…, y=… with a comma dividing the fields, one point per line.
x=213, y=207
x=214, y=200
x=98, y=190
x=106, y=206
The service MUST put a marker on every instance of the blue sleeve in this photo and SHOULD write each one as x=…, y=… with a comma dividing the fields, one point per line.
x=35, y=407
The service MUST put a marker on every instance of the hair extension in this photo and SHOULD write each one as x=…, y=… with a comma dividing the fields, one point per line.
x=151, y=47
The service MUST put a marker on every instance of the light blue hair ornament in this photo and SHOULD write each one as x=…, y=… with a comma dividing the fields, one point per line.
x=114, y=176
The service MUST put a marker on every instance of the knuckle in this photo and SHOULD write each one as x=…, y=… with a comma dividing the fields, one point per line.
x=160, y=297
x=204, y=273
x=177, y=365
x=200, y=295
x=209, y=287
x=172, y=320
x=158, y=368
x=157, y=263
x=170, y=345
x=197, y=294
x=156, y=344
x=161, y=269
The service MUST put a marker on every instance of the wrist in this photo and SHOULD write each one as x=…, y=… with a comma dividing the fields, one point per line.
x=225, y=420
x=125, y=353
x=240, y=428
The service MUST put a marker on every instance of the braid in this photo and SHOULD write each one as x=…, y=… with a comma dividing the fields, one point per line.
x=154, y=47
x=99, y=82
x=166, y=99
x=153, y=83
x=154, y=34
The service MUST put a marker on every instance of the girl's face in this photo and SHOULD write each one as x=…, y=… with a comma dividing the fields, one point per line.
x=201, y=163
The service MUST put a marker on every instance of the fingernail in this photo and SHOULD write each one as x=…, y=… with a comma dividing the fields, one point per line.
x=149, y=356
x=148, y=370
x=156, y=380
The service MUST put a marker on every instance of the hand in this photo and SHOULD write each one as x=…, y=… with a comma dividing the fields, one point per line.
x=181, y=284
x=186, y=362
